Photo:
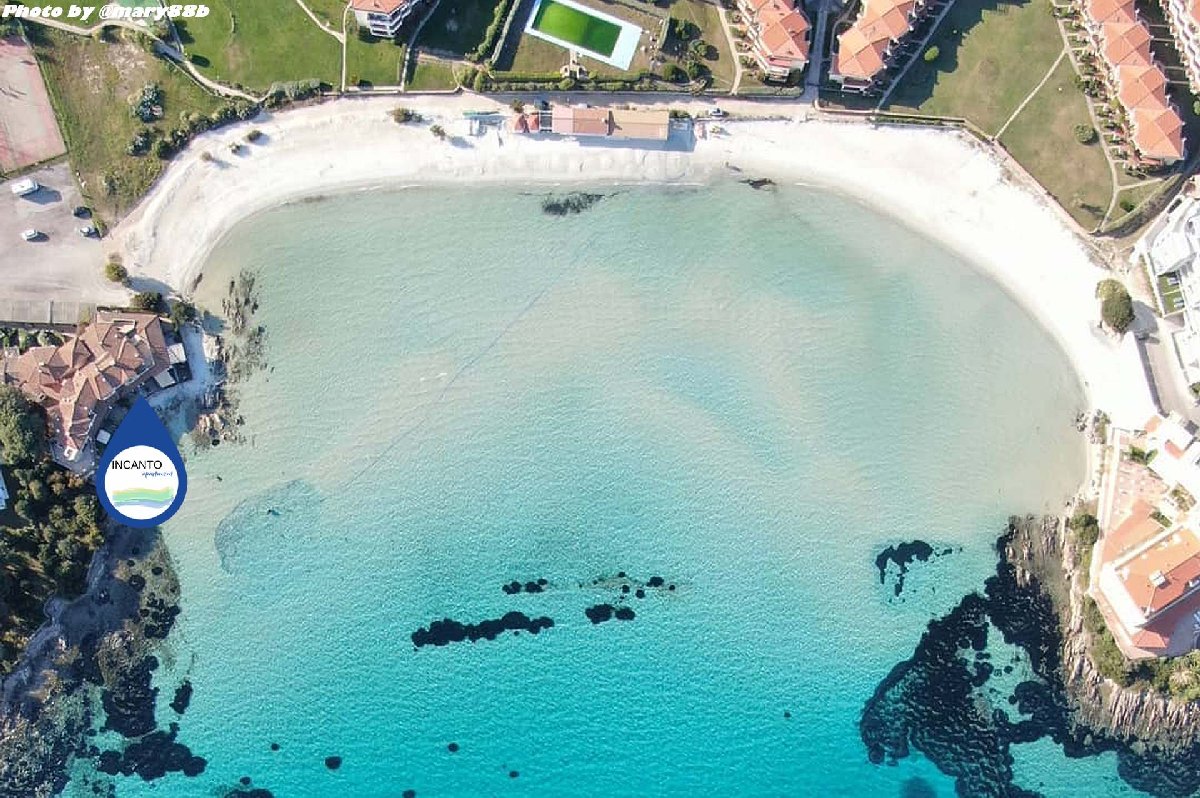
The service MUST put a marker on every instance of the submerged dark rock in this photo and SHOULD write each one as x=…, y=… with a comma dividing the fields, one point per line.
x=333, y=762
x=183, y=697
x=902, y=555
x=152, y=756
x=606, y=612
x=575, y=202
x=129, y=701
x=447, y=630
x=759, y=183
x=257, y=792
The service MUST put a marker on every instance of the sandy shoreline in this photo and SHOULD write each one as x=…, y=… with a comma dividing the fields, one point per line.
x=944, y=184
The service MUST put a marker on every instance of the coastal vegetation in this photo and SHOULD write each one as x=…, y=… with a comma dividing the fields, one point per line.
x=90, y=82
x=51, y=533
x=1116, y=306
x=1086, y=529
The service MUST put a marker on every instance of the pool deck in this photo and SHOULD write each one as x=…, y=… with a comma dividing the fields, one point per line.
x=623, y=51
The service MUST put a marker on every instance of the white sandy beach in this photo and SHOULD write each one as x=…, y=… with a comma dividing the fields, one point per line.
x=943, y=183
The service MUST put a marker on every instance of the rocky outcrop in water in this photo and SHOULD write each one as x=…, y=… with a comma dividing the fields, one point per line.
x=942, y=700
x=447, y=630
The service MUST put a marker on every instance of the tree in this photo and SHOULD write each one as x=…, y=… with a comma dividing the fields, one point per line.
x=22, y=429
x=116, y=272
x=146, y=300
x=674, y=73
x=1085, y=134
x=182, y=312
x=932, y=54
x=1116, y=306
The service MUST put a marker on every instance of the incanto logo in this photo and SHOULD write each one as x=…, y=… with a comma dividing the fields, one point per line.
x=140, y=479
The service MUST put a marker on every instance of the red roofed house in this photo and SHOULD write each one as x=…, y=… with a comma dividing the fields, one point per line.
x=77, y=382
x=778, y=34
x=1183, y=17
x=866, y=49
x=569, y=120
x=382, y=18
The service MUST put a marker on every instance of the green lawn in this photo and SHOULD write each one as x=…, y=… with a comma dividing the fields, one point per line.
x=457, y=27
x=992, y=55
x=329, y=11
x=1042, y=139
x=574, y=26
x=375, y=61
x=90, y=83
x=255, y=43
x=1172, y=295
x=431, y=76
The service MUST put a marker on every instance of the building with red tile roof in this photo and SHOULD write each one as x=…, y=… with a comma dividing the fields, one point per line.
x=77, y=382
x=867, y=47
x=570, y=120
x=619, y=123
x=778, y=34
x=383, y=18
x=1123, y=42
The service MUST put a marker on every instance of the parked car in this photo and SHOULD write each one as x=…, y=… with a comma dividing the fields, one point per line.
x=82, y=212
x=88, y=230
x=717, y=113
x=24, y=187
x=31, y=234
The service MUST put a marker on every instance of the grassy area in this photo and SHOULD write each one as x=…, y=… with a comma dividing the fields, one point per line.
x=1172, y=295
x=457, y=28
x=706, y=17
x=1042, y=139
x=329, y=11
x=577, y=27
x=90, y=83
x=372, y=61
x=992, y=55
x=255, y=43
x=431, y=76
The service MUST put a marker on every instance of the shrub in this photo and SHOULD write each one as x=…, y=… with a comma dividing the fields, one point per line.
x=931, y=54
x=479, y=82
x=146, y=300
x=696, y=70
x=182, y=312
x=22, y=430
x=147, y=104
x=254, y=135
x=1085, y=134
x=140, y=145
x=1127, y=204
x=566, y=84
x=485, y=47
x=438, y=131
x=1116, y=306
x=116, y=272
x=402, y=115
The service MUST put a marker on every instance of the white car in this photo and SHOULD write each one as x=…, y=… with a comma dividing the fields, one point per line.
x=24, y=187
x=31, y=234
x=716, y=113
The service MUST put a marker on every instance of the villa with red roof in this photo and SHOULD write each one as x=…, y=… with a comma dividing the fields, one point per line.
x=869, y=46
x=1145, y=576
x=1135, y=79
x=778, y=34
x=383, y=18
x=78, y=381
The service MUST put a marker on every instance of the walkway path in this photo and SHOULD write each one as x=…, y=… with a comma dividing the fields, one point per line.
x=1029, y=96
x=816, y=60
x=341, y=37
x=345, y=23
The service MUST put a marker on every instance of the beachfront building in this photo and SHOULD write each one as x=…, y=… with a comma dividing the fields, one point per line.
x=1170, y=249
x=587, y=122
x=1145, y=575
x=874, y=42
x=383, y=18
x=778, y=34
x=77, y=382
x=1147, y=119
x=1183, y=17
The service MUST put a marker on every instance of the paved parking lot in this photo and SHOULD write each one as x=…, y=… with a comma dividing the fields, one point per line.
x=28, y=130
x=63, y=265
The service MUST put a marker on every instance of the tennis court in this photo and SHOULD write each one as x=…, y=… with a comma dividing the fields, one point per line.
x=28, y=130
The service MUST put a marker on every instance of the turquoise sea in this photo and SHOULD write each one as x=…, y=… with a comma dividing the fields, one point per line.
x=748, y=393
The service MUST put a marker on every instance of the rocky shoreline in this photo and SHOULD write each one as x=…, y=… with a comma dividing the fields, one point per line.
x=94, y=646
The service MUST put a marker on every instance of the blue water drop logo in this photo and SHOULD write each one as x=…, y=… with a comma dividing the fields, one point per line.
x=140, y=480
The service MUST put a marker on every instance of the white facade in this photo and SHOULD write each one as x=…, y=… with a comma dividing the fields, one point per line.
x=383, y=18
x=1171, y=249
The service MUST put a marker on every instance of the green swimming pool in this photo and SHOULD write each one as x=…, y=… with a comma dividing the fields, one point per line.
x=577, y=27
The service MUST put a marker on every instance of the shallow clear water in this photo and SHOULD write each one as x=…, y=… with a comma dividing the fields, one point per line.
x=749, y=393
